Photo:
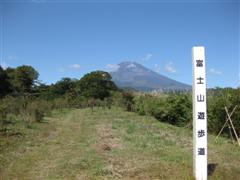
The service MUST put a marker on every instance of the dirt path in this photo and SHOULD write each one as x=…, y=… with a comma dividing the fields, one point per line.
x=106, y=139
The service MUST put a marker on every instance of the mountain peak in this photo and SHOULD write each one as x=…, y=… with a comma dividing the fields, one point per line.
x=134, y=75
x=128, y=64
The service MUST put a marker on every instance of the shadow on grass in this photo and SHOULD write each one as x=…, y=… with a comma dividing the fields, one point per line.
x=211, y=168
x=7, y=132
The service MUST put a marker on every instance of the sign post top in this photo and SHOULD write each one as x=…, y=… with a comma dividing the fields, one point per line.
x=199, y=49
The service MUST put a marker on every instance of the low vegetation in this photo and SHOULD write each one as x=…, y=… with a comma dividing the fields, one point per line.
x=109, y=144
x=176, y=109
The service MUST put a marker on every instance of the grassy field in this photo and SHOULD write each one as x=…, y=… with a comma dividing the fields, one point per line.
x=109, y=144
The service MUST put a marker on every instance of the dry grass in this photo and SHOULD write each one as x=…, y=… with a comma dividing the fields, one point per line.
x=110, y=144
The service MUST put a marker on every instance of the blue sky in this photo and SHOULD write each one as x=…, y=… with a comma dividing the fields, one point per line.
x=70, y=38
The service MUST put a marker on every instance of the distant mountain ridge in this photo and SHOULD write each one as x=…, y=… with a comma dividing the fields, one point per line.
x=136, y=76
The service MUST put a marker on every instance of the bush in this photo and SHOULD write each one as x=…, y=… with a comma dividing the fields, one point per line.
x=29, y=108
x=60, y=103
x=174, y=109
x=139, y=103
x=3, y=115
x=179, y=110
x=13, y=104
x=127, y=100
x=217, y=100
x=34, y=112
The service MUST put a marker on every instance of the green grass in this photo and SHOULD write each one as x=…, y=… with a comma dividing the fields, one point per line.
x=109, y=144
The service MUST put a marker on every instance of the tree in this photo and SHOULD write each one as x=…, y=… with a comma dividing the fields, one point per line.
x=22, y=78
x=96, y=85
x=10, y=74
x=5, y=86
x=63, y=86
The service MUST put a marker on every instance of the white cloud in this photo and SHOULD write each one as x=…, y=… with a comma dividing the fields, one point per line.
x=75, y=66
x=4, y=65
x=215, y=71
x=147, y=57
x=170, y=68
x=157, y=68
x=131, y=65
x=70, y=67
x=12, y=57
x=112, y=67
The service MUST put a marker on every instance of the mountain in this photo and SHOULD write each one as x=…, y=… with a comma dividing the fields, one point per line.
x=136, y=76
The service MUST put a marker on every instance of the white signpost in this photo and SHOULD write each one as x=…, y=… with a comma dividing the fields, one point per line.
x=199, y=114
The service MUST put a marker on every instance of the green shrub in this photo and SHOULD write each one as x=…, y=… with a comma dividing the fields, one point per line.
x=3, y=115
x=13, y=104
x=60, y=103
x=218, y=99
x=117, y=99
x=34, y=112
x=179, y=109
x=174, y=109
x=139, y=103
x=128, y=101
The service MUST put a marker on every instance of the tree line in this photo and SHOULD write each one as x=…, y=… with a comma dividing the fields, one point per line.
x=24, y=80
x=24, y=99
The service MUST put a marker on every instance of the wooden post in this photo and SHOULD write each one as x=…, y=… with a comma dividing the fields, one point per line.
x=225, y=123
x=199, y=114
x=235, y=133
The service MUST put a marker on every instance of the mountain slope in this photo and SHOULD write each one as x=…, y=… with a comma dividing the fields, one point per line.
x=134, y=75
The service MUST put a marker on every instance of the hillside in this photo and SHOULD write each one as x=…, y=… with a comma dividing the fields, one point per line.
x=134, y=75
x=109, y=144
